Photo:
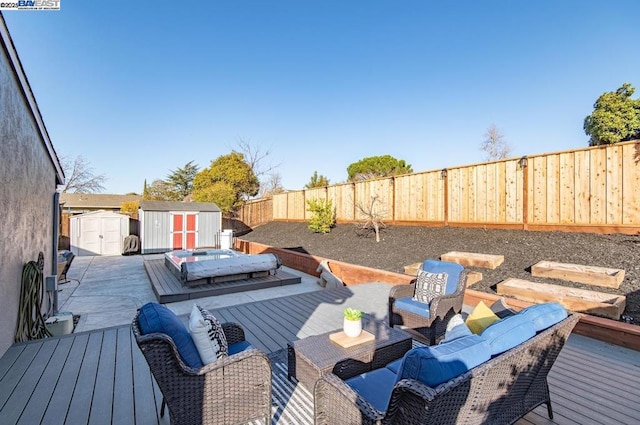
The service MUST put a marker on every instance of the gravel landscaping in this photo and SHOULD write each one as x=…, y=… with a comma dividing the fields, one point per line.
x=403, y=245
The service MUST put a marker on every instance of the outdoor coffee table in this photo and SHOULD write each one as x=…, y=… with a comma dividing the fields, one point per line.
x=312, y=357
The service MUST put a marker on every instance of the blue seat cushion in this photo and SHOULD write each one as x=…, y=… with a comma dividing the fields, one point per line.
x=238, y=347
x=506, y=333
x=394, y=366
x=452, y=270
x=412, y=306
x=156, y=318
x=375, y=387
x=544, y=315
x=436, y=364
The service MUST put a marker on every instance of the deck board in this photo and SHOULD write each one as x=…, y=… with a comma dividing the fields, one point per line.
x=101, y=376
x=169, y=289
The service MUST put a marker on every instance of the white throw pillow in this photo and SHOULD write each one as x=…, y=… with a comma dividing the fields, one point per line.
x=200, y=334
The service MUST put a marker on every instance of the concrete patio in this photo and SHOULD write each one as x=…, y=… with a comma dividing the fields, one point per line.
x=107, y=291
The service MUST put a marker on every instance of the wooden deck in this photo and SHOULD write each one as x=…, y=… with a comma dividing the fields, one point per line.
x=169, y=289
x=100, y=377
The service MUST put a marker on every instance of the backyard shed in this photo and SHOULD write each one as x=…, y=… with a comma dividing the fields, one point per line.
x=98, y=233
x=168, y=226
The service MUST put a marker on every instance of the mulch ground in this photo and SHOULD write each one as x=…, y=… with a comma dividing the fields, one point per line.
x=403, y=245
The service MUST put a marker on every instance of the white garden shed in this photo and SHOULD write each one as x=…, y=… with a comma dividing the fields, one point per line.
x=98, y=233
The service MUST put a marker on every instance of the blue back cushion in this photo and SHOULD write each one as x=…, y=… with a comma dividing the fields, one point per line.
x=452, y=270
x=413, y=306
x=505, y=334
x=436, y=364
x=544, y=315
x=154, y=318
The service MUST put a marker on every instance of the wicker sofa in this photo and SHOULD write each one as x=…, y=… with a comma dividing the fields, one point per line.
x=498, y=391
x=234, y=389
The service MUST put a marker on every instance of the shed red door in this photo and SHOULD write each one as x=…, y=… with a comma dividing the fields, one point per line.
x=184, y=231
x=178, y=227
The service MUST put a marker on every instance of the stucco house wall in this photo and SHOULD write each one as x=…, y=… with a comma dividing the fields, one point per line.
x=29, y=172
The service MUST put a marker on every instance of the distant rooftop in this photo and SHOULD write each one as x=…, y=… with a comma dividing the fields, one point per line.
x=95, y=200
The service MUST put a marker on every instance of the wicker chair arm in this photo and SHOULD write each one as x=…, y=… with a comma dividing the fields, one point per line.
x=402, y=291
x=233, y=332
x=336, y=402
x=439, y=306
x=238, y=359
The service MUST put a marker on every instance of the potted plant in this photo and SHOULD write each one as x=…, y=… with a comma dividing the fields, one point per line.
x=352, y=322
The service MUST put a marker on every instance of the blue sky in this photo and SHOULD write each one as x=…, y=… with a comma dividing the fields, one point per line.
x=141, y=88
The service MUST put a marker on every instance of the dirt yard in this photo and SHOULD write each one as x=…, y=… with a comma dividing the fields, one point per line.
x=404, y=245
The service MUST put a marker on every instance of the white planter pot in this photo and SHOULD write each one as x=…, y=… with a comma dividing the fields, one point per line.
x=352, y=328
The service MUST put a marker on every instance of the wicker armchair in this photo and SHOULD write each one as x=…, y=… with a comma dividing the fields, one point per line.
x=500, y=391
x=231, y=390
x=432, y=327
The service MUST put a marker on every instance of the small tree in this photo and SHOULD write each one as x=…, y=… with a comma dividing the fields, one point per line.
x=372, y=216
x=271, y=186
x=322, y=215
x=160, y=190
x=317, y=181
x=494, y=144
x=615, y=117
x=130, y=208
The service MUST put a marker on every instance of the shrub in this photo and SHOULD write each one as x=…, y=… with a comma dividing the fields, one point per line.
x=322, y=215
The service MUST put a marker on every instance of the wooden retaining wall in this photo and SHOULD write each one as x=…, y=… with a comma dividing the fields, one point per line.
x=607, y=330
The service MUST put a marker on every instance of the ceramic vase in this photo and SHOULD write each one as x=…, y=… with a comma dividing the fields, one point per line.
x=352, y=328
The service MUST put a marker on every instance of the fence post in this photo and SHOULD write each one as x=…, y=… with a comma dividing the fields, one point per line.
x=444, y=174
x=523, y=162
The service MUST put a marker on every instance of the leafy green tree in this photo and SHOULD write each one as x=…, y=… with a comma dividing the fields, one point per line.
x=377, y=166
x=317, y=181
x=228, y=182
x=160, y=190
x=182, y=179
x=615, y=117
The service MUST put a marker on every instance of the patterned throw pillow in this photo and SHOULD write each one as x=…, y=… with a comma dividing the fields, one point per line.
x=429, y=286
x=216, y=334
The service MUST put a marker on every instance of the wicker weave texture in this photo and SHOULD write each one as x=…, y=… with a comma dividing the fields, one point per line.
x=441, y=310
x=231, y=390
x=312, y=357
x=500, y=391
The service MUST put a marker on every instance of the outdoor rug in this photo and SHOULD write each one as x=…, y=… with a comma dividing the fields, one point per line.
x=292, y=403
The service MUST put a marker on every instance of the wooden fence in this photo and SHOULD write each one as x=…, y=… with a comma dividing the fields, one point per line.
x=594, y=189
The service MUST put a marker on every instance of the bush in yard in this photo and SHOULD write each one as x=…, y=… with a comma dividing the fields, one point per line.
x=323, y=217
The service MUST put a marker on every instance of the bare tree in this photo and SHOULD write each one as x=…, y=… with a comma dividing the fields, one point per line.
x=372, y=216
x=79, y=176
x=256, y=156
x=495, y=145
x=272, y=185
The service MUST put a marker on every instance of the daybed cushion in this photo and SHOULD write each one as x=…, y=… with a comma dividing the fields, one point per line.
x=154, y=318
x=412, y=306
x=480, y=318
x=429, y=286
x=452, y=270
x=505, y=334
x=544, y=315
x=436, y=364
x=375, y=387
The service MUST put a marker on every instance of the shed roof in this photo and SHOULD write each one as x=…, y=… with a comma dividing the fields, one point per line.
x=178, y=206
x=96, y=200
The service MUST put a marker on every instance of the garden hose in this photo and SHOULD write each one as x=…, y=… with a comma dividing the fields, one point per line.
x=30, y=321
